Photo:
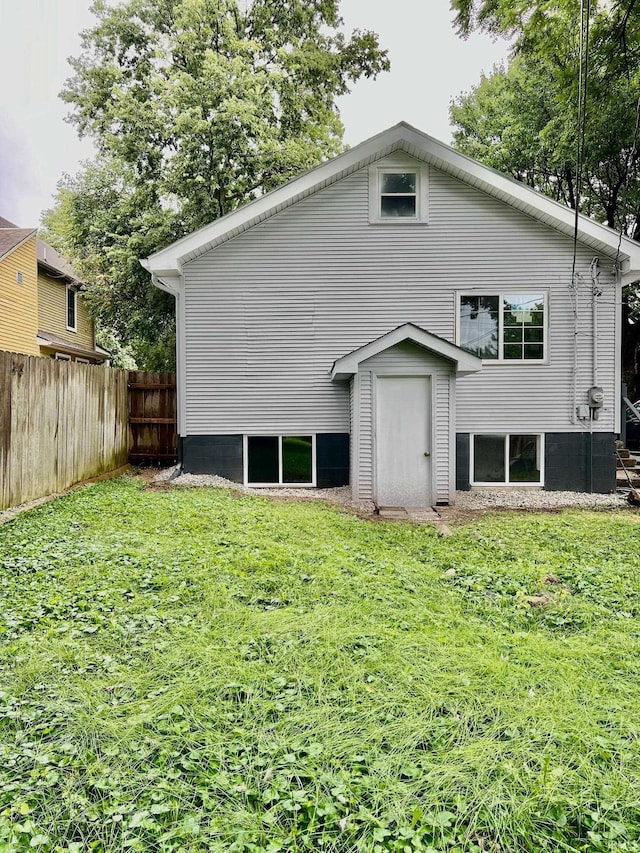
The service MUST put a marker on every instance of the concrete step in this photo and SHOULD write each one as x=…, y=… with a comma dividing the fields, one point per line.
x=626, y=463
x=634, y=476
x=392, y=512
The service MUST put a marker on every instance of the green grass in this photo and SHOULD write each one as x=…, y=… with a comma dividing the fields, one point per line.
x=191, y=671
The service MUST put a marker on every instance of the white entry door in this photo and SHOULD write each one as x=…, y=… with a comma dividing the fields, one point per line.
x=403, y=441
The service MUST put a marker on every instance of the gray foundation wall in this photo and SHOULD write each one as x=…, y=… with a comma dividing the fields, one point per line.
x=213, y=454
x=573, y=462
x=580, y=462
x=223, y=455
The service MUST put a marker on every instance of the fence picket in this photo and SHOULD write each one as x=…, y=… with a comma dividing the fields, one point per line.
x=60, y=423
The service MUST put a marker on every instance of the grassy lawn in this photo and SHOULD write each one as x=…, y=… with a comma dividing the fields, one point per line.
x=189, y=671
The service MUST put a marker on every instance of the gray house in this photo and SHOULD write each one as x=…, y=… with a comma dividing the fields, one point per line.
x=404, y=319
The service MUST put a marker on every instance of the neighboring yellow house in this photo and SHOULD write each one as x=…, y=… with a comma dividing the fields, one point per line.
x=41, y=307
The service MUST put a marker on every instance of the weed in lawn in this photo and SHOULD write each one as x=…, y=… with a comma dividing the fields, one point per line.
x=191, y=671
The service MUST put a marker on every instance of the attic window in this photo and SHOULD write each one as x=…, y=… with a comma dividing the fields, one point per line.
x=397, y=194
x=19, y=277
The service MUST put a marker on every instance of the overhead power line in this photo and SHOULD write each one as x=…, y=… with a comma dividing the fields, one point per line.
x=583, y=83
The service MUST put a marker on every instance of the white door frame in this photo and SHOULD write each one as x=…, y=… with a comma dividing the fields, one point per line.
x=405, y=374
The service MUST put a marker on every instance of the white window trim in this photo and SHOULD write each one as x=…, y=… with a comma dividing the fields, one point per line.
x=506, y=483
x=61, y=356
x=71, y=289
x=82, y=361
x=485, y=291
x=422, y=194
x=19, y=277
x=279, y=484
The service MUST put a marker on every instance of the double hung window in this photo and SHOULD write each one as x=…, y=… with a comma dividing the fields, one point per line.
x=398, y=194
x=503, y=326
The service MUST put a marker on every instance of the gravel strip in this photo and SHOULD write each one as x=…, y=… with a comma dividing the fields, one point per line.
x=476, y=499
x=535, y=499
x=340, y=495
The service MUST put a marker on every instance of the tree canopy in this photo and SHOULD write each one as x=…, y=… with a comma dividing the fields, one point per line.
x=523, y=119
x=527, y=18
x=195, y=106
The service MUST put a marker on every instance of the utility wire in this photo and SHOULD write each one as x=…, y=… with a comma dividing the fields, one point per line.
x=583, y=75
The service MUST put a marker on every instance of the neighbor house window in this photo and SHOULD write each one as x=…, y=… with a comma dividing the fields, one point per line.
x=279, y=460
x=72, y=305
x=503, y=326
x=397, y=194
x=61, y=356
x=506, y=459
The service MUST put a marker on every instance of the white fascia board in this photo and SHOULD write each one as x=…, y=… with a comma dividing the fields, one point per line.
x=199, y=241
x=631, y=277
x=421, y=146
x=518, y=194
x=465, y=362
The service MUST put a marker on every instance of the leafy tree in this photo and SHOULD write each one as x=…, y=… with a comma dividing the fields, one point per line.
x=195, y=106
x=525, y=18
x=523, y=119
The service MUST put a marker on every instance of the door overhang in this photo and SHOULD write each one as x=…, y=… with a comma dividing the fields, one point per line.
x=462, y=362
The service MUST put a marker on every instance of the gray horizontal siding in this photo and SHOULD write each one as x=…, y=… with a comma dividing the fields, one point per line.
x=403, y=359
x=269, y=311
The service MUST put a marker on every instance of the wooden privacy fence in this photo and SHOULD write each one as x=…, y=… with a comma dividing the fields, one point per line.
x=152, y=417
x=60, y=423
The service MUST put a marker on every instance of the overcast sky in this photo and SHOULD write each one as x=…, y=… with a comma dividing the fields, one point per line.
x=430, y=65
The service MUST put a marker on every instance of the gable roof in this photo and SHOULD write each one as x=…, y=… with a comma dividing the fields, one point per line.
x=48, y=258
x=11, y=237
x=400, y=137
x=464, y=361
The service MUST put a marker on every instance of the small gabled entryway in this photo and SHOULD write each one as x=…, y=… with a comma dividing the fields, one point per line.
x=402, y=391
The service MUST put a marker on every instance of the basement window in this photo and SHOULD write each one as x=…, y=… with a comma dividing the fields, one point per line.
x=507, y=459
x=279, y=460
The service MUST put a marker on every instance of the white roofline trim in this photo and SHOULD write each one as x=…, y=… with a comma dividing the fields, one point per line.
x=464, y=361
x=403, y=137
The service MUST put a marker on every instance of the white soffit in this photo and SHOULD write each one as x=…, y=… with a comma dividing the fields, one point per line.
x=405, y=138
x=464, y=361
